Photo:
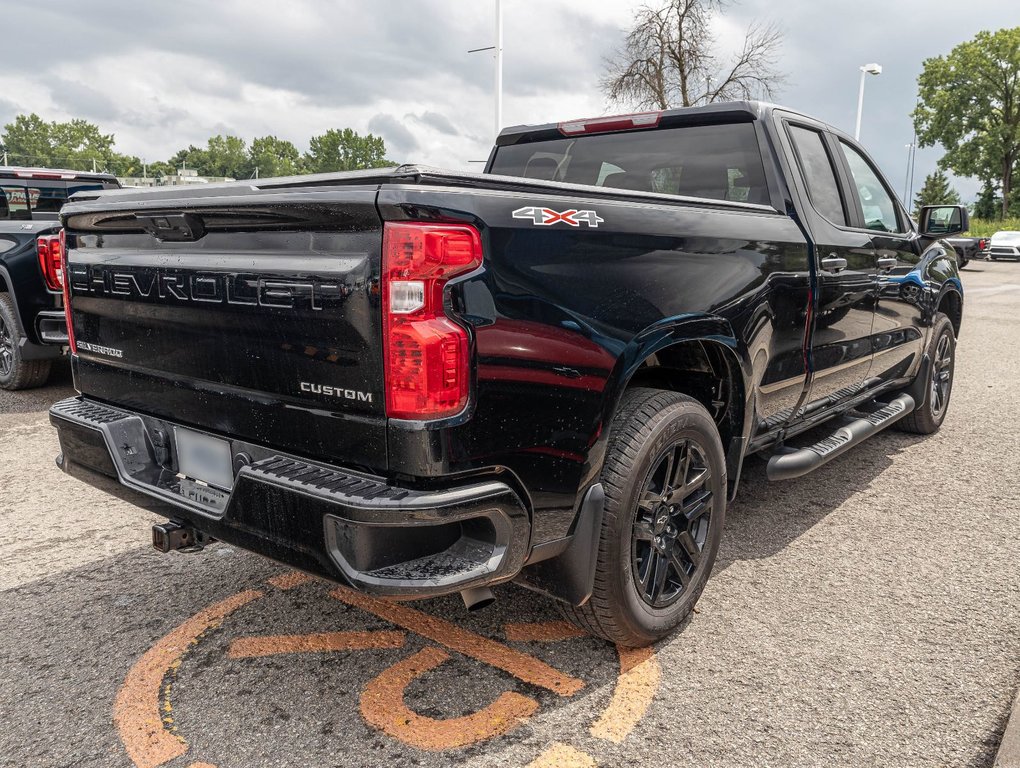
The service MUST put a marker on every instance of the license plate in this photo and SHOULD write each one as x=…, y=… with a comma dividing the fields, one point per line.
x=204, y=458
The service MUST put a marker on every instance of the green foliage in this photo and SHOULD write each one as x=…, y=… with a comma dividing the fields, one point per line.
x=968, y=102
x=988, y=227
x=988, y=204
x=30, y=140
x=77, y=145
x=936, y=191
x=274, y=157
x=345, y=151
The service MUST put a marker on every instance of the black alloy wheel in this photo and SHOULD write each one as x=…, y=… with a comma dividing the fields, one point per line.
x=941, y=375
x=664, y=477
x=928, y=416
x=6, y=349
x=672, y=523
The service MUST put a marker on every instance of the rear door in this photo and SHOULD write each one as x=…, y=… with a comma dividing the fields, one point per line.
x=844, y=257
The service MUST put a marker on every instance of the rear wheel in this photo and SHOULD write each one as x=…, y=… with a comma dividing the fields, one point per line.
x=929, y=415
x=665, y=484
x=16, y=373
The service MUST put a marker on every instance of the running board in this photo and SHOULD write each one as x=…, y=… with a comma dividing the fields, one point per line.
x=801, y=461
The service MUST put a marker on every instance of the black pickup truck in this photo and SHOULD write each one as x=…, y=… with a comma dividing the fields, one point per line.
x=33, y=331
x=418, y=382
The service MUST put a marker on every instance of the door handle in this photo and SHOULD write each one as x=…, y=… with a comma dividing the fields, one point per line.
x=833, y=263
x=887, y=262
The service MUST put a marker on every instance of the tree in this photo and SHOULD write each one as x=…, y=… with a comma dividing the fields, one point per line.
x=273, y=157
x=344, y=151
x=936, y=191
x=969, y=102
x=27, y=141
x=76, y=144
x=670, y=59
x=988, y=205
x=192, y=157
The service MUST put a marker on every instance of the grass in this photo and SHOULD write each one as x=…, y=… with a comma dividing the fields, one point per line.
x=988, y=227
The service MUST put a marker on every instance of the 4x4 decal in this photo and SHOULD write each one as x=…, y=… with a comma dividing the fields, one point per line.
x=546, y=217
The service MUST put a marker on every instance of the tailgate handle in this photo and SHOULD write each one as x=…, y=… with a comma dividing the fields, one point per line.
x=172, y=227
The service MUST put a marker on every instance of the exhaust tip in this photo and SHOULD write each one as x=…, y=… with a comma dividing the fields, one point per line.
x=477, y=598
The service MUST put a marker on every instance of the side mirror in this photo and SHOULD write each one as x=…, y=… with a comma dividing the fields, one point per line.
x=943, y=220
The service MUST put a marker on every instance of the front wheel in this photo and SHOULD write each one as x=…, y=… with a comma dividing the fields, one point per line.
x=665, y=483
x=928, y=416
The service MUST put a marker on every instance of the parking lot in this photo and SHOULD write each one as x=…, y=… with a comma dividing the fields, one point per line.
x=867, y=614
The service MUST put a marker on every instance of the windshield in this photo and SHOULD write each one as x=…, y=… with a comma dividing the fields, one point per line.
x=720, y=162
x=38, y=198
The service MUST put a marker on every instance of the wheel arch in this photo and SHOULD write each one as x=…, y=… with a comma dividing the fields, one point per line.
x=698, y=356
x=951, y=304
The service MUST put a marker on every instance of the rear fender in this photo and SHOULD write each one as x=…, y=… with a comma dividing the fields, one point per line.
x=714, y=334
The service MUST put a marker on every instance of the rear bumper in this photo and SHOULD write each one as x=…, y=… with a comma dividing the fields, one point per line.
x=343, y=525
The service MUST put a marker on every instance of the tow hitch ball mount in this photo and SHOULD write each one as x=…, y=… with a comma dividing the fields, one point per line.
x=180, y=537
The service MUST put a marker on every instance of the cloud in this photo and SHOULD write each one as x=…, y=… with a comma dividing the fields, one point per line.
x=400, y=142
x=436, y=121
x=160, y=80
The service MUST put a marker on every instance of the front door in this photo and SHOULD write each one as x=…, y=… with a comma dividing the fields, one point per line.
x=897, y=338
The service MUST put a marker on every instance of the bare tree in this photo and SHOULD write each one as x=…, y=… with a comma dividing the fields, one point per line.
x=670, y=59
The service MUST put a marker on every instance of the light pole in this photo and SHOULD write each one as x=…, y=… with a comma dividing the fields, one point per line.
x=867, y=69
x=498, y=49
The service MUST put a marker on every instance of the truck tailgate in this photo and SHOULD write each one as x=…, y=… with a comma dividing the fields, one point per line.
x=250, y=315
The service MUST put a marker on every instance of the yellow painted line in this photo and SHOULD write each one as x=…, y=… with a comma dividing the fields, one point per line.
x=635, y=689
x=520, y=665
x=542, y=632
x=562, y=756
x=201, y=765
x=290, y=580
x=271, y=645
x=137, y=711
x=382, y=705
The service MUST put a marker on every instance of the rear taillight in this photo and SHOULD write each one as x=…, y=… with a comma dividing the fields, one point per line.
x=50, y=261
x=427, y=355
x=66, y=284
x=982, y=244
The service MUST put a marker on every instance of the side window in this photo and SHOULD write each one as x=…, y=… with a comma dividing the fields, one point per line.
x=876, y=203
x=819, y=175
x=16, y=199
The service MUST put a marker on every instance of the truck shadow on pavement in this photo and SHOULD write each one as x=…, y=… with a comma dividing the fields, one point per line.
x=223, y=658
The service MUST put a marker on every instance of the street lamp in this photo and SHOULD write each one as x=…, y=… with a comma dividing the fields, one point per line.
x=867, y=69
x=498, y=48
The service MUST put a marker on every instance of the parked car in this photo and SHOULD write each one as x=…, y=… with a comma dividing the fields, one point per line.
x=417, y=382
x=33, y=330
x=967, y=248
x=1004, y=245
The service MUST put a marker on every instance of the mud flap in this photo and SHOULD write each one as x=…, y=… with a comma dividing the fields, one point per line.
x=570, y=575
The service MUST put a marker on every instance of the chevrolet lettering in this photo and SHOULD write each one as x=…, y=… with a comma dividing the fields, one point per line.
x=206, y=287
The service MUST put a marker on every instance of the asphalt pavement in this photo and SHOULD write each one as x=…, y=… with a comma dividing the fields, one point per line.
x=867, y=614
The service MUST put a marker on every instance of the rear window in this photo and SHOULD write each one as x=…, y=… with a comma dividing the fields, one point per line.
x=720, y=162
x=38, y=198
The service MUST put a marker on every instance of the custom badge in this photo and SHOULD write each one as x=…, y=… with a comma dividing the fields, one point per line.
x=546, y=217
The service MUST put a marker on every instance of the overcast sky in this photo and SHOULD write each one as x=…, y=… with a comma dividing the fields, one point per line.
x=162, y=75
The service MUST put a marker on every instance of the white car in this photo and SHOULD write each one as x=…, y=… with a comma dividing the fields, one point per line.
x=1004, y=245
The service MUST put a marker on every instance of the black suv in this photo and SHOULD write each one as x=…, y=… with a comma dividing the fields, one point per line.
x=33, y=331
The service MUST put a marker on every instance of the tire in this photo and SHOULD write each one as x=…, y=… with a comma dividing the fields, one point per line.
x=16, y=373
x=929, y=415
x=642, y=548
